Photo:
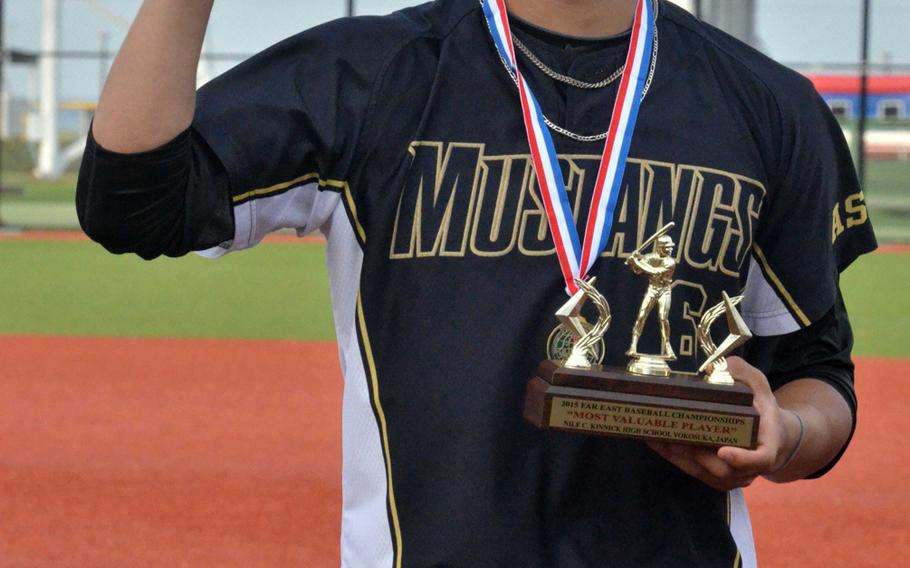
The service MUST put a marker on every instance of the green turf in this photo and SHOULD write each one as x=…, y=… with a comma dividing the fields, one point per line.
x=888, y=180
x=877, y=291
x=26, y=188
x=32, y=203
x=851, y=124
x=48, y=204
x=892, y=225
x=280, y=291
x=276, y=291
x=40, y=214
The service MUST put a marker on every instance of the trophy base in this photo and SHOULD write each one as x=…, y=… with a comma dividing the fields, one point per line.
x=609, y=401
x=649, y=365
x=720, y=376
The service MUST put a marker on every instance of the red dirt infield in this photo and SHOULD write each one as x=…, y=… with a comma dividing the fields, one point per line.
x=138, y=452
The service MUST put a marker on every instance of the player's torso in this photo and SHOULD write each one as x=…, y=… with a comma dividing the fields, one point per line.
x=460, y=282
x=452, y=208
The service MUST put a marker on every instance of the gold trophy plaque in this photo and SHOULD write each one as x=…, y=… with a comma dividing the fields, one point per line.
x=647, y=400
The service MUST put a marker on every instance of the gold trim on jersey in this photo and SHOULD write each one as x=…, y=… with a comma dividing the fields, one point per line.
x=737, y=560
x=383, y=429
x=275, y=188
x=781, y=289
x=332, y=184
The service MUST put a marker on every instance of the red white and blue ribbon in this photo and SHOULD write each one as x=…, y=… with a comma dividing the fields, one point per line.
x=576, y=257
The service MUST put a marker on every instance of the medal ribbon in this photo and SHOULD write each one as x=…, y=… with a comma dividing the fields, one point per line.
x=577, y=258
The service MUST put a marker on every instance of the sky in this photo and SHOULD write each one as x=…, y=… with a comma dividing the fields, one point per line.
x=816, y=31
x=791, y=31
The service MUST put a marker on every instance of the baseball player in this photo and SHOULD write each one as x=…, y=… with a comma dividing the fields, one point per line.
x=659, y=267
x=448, y=152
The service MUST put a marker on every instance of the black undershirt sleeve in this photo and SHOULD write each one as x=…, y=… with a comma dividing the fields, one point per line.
x=167, y=201
x=820, y=351
x=296, y=109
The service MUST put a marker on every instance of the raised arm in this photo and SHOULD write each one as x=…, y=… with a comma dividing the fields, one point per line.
x=168, y=170
x=148, y=184
x=150, y=94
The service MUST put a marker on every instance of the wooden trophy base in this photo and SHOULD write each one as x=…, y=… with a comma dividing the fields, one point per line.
x=610, y=401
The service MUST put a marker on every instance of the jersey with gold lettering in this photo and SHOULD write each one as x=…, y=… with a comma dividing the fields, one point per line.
x=401, y=139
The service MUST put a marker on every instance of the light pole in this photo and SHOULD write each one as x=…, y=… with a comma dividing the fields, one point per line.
x=863, y=96
x=3, y=107
x=48, y=147
x=103, y=39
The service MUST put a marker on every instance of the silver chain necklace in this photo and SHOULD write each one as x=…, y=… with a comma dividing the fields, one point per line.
x=553, y=74
x=593, y=137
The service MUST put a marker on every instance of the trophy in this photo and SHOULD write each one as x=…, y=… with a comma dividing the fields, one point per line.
x=573, y=392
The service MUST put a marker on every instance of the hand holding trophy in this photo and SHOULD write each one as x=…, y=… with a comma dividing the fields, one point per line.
x=646, y=400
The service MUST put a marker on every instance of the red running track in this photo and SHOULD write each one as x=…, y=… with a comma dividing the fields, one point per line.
x=129, y=452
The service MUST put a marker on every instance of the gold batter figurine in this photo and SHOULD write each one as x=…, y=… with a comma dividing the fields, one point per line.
x=659, y=266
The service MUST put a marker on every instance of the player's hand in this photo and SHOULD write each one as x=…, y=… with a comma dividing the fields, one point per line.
x=727, y=468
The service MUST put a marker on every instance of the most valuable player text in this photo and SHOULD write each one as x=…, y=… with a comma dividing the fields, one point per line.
x=649, y=422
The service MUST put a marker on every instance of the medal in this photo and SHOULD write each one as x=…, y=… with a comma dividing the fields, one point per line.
x=561, y=341
x=570, y=391
x=576, y=256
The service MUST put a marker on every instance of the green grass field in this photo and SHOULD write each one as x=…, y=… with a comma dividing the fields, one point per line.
x=280, y=291
x=888, y=180
x=31, y=203
x=877, y=292
x=49, y=204
x=28, y=189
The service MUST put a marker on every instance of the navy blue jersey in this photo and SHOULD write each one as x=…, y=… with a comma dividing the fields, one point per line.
x=401, y=139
